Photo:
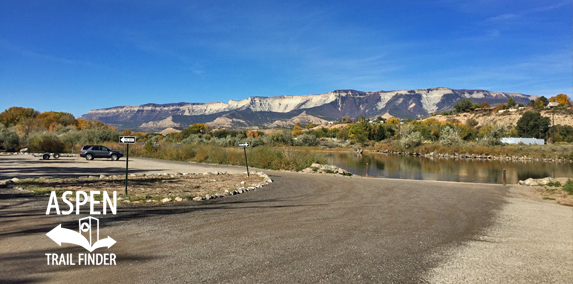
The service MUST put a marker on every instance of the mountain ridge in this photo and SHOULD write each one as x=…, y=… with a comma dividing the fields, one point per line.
x=317, y=107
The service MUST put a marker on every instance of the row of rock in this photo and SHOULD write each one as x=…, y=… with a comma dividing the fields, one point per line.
x=536, y=182
x=267, y=180
x=155, y=175
x=8, y=183
x=478, y=157
x=326, y=169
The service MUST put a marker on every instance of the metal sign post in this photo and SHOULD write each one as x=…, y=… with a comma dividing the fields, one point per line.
x=126, y=140
x=245, y=145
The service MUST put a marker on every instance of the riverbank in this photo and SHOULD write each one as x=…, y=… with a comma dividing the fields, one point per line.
x=535, y=153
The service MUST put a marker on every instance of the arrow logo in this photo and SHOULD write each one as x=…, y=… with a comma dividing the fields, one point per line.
x=62, y=235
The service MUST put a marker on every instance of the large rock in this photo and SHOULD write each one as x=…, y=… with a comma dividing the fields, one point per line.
x=6, y=183
x=530, y=182
x=544, y=181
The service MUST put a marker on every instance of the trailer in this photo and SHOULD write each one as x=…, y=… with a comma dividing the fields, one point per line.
x=46, y=155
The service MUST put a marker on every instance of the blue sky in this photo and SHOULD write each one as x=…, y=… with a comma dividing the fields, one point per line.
x=75, y=56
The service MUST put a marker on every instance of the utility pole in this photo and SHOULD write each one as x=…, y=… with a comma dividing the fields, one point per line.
x=553, y=126
x=399, y=129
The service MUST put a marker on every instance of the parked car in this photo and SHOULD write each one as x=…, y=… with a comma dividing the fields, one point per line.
x=97, y=151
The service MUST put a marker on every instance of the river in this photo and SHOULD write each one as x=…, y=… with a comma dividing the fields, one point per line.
x=420, y=168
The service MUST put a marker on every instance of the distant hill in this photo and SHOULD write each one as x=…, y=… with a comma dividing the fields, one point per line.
x=287, y=110
x=507, y=118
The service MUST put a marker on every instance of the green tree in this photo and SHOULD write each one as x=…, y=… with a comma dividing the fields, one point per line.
x=464, y=105
x=532, y=124
x=378, y=133
x=342, y=133
x=541, y=102
x=359, y=132
x=511, y=102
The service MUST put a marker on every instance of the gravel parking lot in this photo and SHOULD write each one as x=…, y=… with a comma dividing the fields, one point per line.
x=302, y=228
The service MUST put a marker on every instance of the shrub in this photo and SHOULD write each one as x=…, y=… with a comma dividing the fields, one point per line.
x=277, y=138
x=8, y=137
x=449, y=136
x=202, y=153
x=411, y=140
x=148, y=148
x=568, y=187
x=217, y=155
x=45, y=142
x=306, y=140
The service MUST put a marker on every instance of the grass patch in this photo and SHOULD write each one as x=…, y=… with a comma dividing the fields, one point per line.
x=548, y=198
x=550, y=190
x=554, y=184
x=568, y=187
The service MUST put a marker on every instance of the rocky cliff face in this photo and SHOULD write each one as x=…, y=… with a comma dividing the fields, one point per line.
x=266, y=110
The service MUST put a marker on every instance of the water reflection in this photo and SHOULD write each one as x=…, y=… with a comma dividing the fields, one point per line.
x=420, y=168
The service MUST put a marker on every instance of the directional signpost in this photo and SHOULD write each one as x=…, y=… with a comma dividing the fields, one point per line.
x=245, y=145
x=126, y=140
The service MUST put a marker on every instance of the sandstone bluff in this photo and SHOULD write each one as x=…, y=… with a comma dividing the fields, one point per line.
x=266, y=111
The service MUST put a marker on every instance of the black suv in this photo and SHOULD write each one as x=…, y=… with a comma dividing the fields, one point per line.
x=98, y=151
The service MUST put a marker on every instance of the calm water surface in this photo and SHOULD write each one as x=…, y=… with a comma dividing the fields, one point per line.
x=420, y=168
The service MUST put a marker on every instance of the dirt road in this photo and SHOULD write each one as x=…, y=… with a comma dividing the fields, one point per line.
x=303, y=228
x=23, y=166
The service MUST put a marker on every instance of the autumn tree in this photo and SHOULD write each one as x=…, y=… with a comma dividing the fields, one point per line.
x=252, y=134
x=50, y=119
x=500, y=107
x=310, y=125
x=485, y=105
x=297, y=130
x=89, y=124
x=561, y=99
x=15, y=115
x=27, y=126
x=392, y=120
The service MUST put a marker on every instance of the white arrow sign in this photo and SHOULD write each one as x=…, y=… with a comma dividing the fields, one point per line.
x=62, y=235
x=127, y=139
x=246, y=144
